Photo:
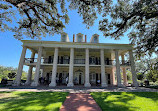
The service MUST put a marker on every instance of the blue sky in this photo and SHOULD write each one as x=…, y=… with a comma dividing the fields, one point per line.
x=11, y=48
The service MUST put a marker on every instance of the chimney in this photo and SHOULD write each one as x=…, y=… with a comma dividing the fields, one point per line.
x=73, y=37
x=85, y=38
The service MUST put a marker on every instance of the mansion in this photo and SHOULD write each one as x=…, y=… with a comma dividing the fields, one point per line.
x=76, y=63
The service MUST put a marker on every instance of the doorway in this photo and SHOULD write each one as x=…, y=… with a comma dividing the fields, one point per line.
x=78, y=78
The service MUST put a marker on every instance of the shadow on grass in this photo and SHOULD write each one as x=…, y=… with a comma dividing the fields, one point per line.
x=121, y=101
x=151, y=95
x=41, y=101
x=113, y=104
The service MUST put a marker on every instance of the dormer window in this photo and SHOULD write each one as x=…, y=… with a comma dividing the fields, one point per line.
x=79, y=37
x=63, y=38
x=95, y=39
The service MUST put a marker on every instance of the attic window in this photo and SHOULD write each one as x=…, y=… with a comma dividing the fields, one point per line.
x=95, y=39
x=63, y=38
x=79, y=38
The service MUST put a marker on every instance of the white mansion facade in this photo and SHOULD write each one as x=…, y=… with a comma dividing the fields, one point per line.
x=76, y=63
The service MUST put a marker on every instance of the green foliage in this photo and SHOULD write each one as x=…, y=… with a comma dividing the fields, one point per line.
x=126, y=101
x=152, y=75
x=33, y=18
x=129, y=75
x=140, y=76
x=5, y=70
x=147, y=68
x=138, y=18
x=32, y=101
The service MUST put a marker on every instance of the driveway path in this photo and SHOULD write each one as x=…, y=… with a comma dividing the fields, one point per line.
x=77, y=89
x=80, y=102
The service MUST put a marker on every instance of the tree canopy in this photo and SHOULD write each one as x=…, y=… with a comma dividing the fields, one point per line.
x=4, y=71
x=147, y=68
x=35, y=18
x=137, y=18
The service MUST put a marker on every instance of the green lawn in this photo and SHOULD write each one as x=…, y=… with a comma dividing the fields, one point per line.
x=31, y=101
x=127, y=101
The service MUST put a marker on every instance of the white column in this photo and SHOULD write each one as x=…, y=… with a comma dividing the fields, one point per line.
x=36, y=77
x=118, y=69
x=124, y=72
x=87, y=84
x=103, y=76
x=134, y=76
x=29, y=76
x=20, y=67
x=71, y=66
x=112, y=76
x=54, y=70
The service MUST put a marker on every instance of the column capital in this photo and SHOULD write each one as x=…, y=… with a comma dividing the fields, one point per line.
x=32, y=51
x=24, y=46
x=101, y=49
x=41, y=47
x=116, y=49
x=56, y=47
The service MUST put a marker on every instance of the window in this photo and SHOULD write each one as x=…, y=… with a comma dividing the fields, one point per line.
x=95, y=39
x=63, y=38
x=79, y=38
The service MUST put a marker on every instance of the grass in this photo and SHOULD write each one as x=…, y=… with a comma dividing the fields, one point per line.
x=31, y=101
x=127, y=101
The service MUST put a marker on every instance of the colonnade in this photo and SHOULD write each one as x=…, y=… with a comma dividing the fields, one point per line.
x=71, y=66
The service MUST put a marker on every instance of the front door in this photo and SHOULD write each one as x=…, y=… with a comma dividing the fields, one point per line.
x=93, y=78
x=78, y=78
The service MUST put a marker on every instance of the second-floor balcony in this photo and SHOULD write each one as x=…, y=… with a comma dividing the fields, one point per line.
x=76, y=61
x=79, y=61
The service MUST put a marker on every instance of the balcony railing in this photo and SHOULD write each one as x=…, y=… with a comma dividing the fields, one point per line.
x=46, y=61
x=63, y=61
x=125, y=63
x=110, y=62
x=94, y=62
x=30, y=60
x=76, y=61
x=79, y=61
